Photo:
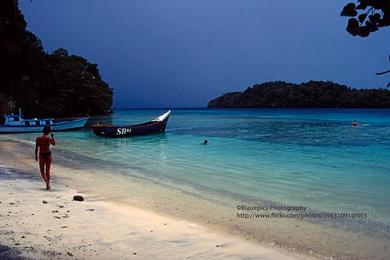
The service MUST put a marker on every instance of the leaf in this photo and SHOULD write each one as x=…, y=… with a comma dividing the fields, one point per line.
x=362, y=17
x=349, y=10
x=353, y=26
x=375, y=18
x=371, y=26
x=362, y=4
x=364, y=31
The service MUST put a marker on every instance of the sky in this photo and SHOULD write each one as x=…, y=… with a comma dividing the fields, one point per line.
x=183, y=53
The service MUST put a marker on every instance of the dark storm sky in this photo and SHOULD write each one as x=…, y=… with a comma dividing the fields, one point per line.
x=182, y=53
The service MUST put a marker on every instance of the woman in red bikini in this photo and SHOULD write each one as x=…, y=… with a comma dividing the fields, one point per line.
x=42, y=144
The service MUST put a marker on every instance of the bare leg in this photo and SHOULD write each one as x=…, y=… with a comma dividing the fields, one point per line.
x=48, y=164
x=42, y=167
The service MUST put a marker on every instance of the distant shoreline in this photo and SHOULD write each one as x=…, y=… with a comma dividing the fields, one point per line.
x=311, y=94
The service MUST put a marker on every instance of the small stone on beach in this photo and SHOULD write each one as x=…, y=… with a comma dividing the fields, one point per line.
x=44, y=201
x=78, y=198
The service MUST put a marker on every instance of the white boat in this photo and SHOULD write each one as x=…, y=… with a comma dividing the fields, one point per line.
x=15, y=123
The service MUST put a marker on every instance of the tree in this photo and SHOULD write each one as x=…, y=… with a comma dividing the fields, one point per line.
x=384, y=72
x=42, y=84
x=367, y=16
x=312, y=94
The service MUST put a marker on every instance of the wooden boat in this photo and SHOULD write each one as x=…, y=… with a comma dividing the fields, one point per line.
x=11, y=123
x=157, y=125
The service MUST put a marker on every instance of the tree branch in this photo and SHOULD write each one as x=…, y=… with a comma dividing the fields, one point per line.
x=383, y=72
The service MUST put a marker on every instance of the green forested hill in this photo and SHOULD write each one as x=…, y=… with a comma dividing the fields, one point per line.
x=312, y=94
x=43, y=84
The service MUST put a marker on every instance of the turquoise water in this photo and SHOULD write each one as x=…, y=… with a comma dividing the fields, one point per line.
x=310, y=157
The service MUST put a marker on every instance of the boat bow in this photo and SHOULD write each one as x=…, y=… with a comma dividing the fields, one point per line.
x=162, y=117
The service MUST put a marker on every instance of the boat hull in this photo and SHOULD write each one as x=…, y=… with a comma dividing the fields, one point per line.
x=67, y=125
x=151, y=127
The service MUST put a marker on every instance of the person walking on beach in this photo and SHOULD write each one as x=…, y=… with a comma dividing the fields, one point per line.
x=42, y=144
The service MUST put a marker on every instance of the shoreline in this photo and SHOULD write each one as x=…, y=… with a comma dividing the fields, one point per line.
x=292, y=237
x=11, y=253
x=100, y=228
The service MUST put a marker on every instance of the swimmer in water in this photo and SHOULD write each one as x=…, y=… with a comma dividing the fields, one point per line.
x=355, y=123
x=205, y=141
x=42, y=145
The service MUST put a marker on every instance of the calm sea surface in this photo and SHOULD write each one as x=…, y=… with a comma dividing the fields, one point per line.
x=310, y=157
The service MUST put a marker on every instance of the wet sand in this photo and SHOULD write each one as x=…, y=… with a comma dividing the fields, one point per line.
x=38, y=224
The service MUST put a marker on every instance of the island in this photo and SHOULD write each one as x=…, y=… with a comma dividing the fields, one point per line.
x=312, y=94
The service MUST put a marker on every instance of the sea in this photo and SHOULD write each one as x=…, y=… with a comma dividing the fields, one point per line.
x=307, y=166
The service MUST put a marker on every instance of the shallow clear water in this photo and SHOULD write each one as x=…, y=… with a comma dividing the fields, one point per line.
x=310, y=157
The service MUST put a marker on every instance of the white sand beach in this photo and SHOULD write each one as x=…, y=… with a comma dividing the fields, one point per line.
x=38, y=224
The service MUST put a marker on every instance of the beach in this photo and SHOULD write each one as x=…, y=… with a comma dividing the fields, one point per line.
x=194, y=129
x=40, y=224
x=281, y=164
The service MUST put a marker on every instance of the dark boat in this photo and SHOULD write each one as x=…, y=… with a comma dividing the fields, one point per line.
x=157, y=125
